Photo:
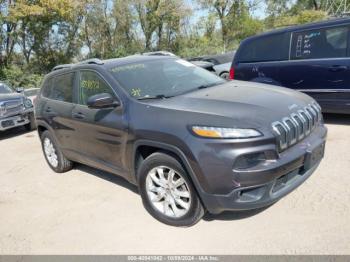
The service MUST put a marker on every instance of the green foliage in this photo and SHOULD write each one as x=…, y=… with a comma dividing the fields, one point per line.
x=17, y=77
x=302, y=17
x=308, y=16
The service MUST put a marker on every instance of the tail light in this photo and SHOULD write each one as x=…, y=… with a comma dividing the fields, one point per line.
x=232, y=73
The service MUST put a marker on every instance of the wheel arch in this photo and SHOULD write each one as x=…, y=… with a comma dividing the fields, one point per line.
x=147, y=147
x=42, y=126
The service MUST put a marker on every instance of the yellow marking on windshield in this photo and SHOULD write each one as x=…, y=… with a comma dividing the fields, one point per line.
x=136, y=92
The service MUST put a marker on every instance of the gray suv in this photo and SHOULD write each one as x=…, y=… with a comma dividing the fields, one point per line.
x=15, y=109
x=191, y=141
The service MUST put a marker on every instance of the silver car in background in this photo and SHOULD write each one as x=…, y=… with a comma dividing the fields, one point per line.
x=221, y=62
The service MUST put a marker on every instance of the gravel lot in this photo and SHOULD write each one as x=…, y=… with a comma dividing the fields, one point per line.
x=87, y=211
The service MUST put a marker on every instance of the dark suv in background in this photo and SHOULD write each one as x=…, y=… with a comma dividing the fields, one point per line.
x=312, y=58
x=189, y=139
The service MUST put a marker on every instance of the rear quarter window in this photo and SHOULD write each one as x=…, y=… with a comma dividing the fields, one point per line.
x=320, y=43
x=265, y=48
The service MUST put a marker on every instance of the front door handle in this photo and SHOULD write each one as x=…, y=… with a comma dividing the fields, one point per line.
x=78, y=115
x=337, y=68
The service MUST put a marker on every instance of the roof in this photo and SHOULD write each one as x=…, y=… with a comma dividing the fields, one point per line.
x=135, y=59
x=111, y=62
x=325, y=23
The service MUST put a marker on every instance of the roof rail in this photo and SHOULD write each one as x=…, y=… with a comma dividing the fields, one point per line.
x=61, y=67
x=95, y=61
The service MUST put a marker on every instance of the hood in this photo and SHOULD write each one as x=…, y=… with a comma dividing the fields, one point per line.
x=246, y=104
x=10, y=96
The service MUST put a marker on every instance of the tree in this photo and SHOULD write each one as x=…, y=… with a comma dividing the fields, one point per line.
x=161, y=18
x=46, y=29
x=8, y=36
x=232, y=14
x=282, y=13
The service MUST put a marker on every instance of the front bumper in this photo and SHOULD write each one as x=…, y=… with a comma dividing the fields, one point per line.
x=266, y=184
x=15, y=121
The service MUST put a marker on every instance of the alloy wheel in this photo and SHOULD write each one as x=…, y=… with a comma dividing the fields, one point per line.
x=50, y=152
x=168, y=192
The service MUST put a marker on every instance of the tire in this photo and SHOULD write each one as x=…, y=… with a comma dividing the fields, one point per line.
x=63, y=164
x=177, y=214
x=31, y=126
x=225, y=75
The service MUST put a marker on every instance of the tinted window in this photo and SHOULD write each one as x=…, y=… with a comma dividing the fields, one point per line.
x=168, y=77
x=265, y=48
x=320, y=43
x=4, y=89
x=62, y=88
x=224, y=58
x=90, y=83
x=46, y=87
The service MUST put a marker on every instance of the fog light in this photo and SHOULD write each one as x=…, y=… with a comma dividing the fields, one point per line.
x=249, y=160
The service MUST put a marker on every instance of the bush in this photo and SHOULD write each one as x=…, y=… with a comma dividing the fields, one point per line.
x=18, y=77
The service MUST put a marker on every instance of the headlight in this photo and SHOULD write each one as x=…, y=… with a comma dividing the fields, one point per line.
x=221, y=132
x=28, y=103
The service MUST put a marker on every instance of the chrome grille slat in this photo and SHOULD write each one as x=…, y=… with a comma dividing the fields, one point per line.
x=11, y=107
x=297, y=126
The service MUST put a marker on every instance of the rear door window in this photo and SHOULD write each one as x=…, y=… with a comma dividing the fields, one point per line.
x=46, y=87
x=61, y=88
x=320, y=43
x=266, y=48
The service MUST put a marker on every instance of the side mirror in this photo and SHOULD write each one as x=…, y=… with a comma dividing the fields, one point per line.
x=19, y=89
x=103, y=100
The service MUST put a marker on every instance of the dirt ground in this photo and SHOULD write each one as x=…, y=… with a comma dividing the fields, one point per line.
x=86, y=211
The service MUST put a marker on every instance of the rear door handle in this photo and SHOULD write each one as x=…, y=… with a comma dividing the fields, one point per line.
x=78, y=115
x=337, y=68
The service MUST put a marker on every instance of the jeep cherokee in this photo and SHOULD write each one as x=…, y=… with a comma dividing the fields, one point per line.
x=190, y=140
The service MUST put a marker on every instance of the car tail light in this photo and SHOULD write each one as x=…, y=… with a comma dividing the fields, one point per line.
x=232, y=73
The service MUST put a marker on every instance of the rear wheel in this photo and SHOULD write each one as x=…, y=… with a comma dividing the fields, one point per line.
x=53, y=155
x=167, y=193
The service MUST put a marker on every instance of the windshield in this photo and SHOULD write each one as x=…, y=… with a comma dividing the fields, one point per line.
x=4, y=89
x=163, y=78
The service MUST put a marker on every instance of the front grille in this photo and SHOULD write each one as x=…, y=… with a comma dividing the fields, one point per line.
x=296, y=126
x=11, y=107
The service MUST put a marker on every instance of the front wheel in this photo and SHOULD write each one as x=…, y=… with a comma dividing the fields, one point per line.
x=167, y=193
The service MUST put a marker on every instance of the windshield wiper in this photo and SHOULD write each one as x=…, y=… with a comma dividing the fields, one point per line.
x=208, y=85
x=153, y=97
